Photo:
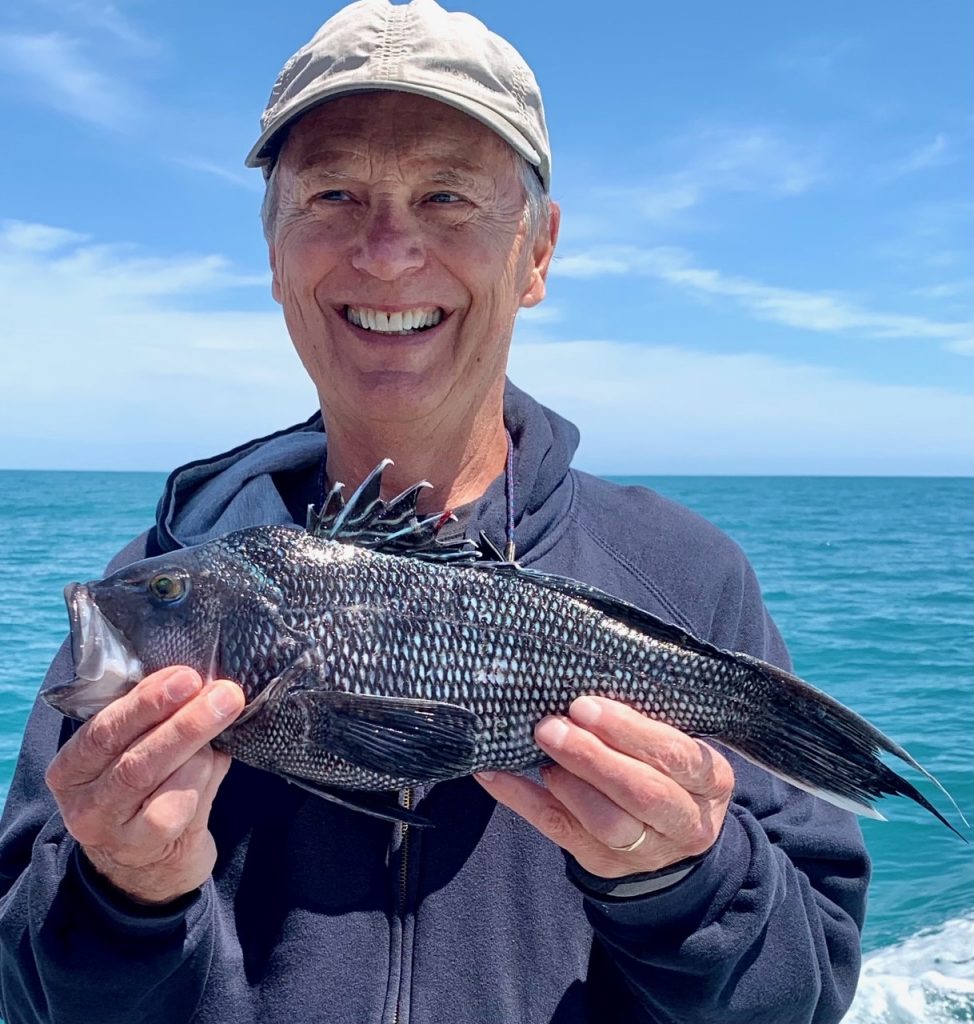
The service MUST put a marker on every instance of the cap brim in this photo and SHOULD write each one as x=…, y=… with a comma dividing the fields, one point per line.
x=264, y=152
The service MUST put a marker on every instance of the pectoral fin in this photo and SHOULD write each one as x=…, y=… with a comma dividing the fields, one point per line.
x=399, y=736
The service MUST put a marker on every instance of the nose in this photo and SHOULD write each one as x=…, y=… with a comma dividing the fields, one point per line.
x=390, y=244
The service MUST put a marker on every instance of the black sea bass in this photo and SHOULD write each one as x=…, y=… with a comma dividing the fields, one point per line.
x=374, y=657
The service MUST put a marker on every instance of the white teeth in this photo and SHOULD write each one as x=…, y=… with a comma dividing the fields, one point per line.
x=403, y=322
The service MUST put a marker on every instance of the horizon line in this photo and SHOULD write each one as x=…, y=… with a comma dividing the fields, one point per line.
x=765, y=475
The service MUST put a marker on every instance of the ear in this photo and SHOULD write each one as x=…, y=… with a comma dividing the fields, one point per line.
x=544, y=249
x=275, y=283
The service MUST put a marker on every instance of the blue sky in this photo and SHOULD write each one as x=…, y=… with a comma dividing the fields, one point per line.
x=766, y=263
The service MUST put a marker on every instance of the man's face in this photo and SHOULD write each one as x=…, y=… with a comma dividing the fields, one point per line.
x=396, y=210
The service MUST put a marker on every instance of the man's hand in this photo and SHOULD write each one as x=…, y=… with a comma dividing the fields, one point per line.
x=135, y=783
x=618, y=772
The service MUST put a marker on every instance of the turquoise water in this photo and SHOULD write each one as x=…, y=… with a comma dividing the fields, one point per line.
x=871, y=581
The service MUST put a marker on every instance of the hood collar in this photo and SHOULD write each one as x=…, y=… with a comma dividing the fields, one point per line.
x=208, y=498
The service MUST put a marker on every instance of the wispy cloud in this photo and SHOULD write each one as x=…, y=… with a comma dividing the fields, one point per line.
x=946, y=289
x=935, y=153
x=124, y=371
x=813, y=311
x=756, y=159
x=112, y=353
x=546, y=313
x=54, y=70
x=110, y=273
x=713, y=160
x=100, y=18
x=816, y=59
x=666, y=198
x=109, y=18
x=24, y=237
x=249, y=180
x=668, y=409
x=932, y=234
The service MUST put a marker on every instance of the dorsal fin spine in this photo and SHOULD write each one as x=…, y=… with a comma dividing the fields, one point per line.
x=391, y=527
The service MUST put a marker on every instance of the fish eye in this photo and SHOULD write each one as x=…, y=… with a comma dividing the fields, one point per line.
x=167, y=588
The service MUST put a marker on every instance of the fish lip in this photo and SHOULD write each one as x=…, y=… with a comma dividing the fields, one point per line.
x=104, y=663
x=78, y=617
x=80, y=699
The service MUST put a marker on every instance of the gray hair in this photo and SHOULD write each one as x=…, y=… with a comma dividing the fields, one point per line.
x=271, y=201
x=537, y=203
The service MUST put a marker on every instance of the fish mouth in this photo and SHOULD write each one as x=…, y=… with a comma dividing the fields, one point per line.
x=105, y=665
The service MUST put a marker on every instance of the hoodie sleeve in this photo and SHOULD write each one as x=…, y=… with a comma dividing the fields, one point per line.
x=70, y=949
x=766, y=927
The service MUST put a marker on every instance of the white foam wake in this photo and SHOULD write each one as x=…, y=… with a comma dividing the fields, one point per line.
x=926, y=979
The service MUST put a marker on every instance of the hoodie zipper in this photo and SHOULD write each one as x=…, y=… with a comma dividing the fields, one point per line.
x=406, y=801
x=407, y=804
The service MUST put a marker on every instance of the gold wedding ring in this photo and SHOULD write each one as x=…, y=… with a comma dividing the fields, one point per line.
x=632, y=846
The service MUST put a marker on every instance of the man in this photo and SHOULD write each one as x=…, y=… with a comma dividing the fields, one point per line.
x=651, y=877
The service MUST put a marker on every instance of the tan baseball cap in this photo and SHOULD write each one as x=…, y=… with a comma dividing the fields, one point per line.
x=415, y=47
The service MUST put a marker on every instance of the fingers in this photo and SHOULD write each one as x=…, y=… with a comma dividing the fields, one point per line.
x=691, y=764
x=135, y=785
x=182, y=802
x=637, y=788
x=130, y=750
x=551, y=818
x=599, y=815
x=154, y=757
x=166, y=849
x=618, y=778
x=98, y=742
x=535, y=804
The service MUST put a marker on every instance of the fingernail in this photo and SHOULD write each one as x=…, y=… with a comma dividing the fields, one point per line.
x=586, y=711
x=486, y=776
x=551, y=731
x=223, y=700
x=182, y=685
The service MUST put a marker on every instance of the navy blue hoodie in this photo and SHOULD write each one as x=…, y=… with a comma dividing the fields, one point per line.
x=316, y=913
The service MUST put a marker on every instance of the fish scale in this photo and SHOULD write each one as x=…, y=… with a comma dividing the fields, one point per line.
x=424, y=631
x=376, y=658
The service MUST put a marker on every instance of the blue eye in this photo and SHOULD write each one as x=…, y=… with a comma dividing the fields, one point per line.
x=444, y=198
x=335, y=195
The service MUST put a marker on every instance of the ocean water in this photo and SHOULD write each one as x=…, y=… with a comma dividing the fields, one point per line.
x=871, y=581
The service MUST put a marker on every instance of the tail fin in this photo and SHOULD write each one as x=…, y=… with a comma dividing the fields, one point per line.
x=809, y=739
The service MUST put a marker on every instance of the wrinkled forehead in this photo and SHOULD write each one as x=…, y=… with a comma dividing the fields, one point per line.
x=375, y=127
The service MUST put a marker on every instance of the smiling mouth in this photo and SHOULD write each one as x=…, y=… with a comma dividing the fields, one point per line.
x=403, y=322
